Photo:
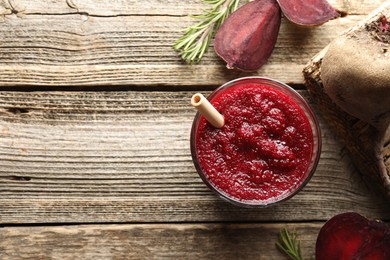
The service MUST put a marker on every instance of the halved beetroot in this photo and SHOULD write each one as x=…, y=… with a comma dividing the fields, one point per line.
x=308, y=12
x=352, y=236
x=246, y=39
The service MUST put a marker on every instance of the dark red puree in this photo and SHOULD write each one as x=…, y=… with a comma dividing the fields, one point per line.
x=263, y=150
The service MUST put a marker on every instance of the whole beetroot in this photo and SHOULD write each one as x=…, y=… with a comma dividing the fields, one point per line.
x=355, y=72
x=247, y=38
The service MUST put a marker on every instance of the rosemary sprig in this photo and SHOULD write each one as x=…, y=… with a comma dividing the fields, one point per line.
x=196, y=39
x=289, y=244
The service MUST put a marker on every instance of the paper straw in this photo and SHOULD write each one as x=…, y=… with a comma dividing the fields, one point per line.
x=207, y=110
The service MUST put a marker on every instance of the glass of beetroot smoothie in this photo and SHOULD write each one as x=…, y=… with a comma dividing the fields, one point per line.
x=268, y=147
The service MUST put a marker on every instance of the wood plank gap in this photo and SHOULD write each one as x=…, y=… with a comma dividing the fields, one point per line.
x=131, y=88
x=98, y=15
x=66, y=224
x=114, y=88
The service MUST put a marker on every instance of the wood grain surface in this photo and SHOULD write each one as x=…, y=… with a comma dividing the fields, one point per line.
x=153, y=241
x=96, y=174
x=68, y=43
x=78, y=157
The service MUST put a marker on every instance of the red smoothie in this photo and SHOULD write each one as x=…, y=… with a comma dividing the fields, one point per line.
x=264, y=152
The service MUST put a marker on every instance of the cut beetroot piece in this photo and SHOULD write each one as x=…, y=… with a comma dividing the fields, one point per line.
x=352, y=236
x=308, y=12
x=246, y=39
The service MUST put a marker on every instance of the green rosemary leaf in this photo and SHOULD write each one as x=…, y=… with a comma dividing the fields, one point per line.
x=289, y=244
x=197, y=38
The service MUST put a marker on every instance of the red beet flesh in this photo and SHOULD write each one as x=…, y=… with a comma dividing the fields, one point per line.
x=308, y=12
x=384, y=24
x=246, y=39
x=352, y=236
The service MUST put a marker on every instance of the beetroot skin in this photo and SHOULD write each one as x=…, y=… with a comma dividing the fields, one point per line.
x=246, y=39
x=352, y=236
x=308, y=12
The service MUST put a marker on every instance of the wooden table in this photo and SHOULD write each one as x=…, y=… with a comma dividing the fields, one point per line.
x=94, y=137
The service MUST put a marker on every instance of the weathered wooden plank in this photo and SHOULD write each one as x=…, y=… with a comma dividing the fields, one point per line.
x=153, y=241
x=103, y=8
x=124, y=156
x=151, y=7
x=134, y=49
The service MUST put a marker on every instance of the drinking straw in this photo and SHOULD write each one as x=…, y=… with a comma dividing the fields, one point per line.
x=207, y=110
